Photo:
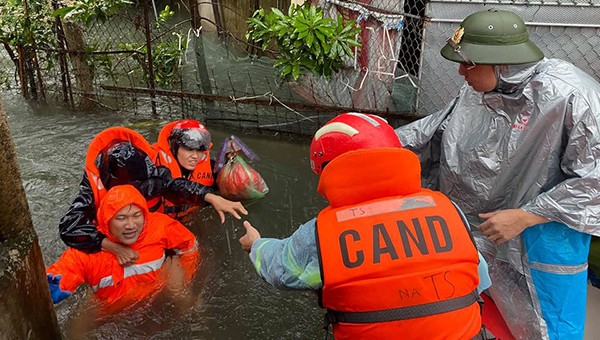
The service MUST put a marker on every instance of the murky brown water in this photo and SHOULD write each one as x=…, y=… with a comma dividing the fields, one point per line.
x=230, y=300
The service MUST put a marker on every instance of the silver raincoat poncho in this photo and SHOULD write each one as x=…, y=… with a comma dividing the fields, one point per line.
x=532, y=143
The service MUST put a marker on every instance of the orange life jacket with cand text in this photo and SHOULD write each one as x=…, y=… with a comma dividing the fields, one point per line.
x=399, y=265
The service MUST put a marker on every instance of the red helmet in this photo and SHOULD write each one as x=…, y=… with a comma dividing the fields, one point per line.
x=190, y=134
x=348, y=132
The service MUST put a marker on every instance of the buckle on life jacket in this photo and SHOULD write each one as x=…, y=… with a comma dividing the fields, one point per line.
x=329, y=319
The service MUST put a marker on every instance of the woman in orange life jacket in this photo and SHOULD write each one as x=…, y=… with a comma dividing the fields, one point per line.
x=184, y=147
x=389, y=258
x=116, y=156
x=124, y=218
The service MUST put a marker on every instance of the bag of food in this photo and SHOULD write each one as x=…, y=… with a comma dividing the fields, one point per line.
x=236, y=179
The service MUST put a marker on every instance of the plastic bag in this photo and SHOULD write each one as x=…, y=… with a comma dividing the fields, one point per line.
x=237, y=180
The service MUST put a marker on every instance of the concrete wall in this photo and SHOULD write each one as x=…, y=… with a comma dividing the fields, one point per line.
x=26, y=311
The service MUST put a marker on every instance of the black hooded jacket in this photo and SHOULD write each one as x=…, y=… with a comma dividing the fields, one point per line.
x=123, y=163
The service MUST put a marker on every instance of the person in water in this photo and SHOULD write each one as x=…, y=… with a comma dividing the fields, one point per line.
x=518, y=151
x=183, y=147
x=116, y=156
x=388, y=258
x=124, y=218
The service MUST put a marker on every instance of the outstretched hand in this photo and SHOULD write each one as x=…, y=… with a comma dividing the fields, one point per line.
x=250, y=237
x=56, y=293
x=223, y=206
x=502, y=225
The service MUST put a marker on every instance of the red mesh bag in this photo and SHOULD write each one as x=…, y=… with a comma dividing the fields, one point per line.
x=236, y=179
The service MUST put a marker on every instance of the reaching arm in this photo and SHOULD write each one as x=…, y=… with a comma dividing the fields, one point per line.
x=181, y=191
x=65, y=275
x=223, y=205
x=290, y=263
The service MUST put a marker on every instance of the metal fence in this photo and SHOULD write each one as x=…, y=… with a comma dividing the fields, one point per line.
x=198, y=63
x=216, y=79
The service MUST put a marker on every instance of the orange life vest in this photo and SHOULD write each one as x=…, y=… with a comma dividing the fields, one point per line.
x=115, y=286
x=104, y=139
x=401, y=264
x=202, y=173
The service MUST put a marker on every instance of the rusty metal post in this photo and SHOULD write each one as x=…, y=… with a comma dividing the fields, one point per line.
x=21, y=72
x=26, y=311
x=151, y=84
x=62, y=57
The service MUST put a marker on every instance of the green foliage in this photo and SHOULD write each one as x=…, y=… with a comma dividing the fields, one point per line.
x=166, y=57
x=164, y=16
x=16, y=29
x=88, y=11
x=305, y=38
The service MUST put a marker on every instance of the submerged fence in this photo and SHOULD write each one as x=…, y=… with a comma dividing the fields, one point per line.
x=199, y=64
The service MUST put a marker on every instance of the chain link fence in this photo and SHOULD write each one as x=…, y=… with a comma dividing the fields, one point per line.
x=183, y=68
x=198, y=63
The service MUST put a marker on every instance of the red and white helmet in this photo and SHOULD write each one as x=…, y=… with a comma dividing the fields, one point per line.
x=191, y=134
x=348, y=132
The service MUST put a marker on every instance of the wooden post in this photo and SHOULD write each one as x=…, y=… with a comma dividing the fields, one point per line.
x=26, y=311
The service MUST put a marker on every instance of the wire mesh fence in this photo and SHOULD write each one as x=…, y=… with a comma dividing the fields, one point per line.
x=196, y=62
x=134, y=62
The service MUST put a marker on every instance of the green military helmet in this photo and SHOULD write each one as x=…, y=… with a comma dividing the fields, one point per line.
x=491, y=37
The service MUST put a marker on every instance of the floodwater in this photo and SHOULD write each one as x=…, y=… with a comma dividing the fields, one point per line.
x=230, y=300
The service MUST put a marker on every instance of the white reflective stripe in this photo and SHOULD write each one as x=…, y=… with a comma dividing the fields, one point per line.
x=135, y=269
x=194, y=247
x=143, y=268
x=104, y=282
x=558, y=268
x=336, y=127
x=365, y=117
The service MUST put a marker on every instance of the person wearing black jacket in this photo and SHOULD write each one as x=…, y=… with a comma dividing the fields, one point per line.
x=119, y=156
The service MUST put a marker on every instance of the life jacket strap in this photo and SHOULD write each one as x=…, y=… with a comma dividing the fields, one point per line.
x=156, y=206
x=402, y=313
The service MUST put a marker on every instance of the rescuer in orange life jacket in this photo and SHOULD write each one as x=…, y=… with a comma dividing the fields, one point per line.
x=116, y=156
x=123, y=217
x=184, y=146
x=389, y=258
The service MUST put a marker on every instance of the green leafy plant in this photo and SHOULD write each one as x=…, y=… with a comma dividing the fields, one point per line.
x=18, y=29
x=163, y=17
x=88, y=11
x=305, y=39
x=166, y=57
